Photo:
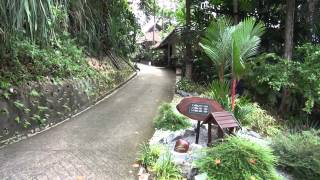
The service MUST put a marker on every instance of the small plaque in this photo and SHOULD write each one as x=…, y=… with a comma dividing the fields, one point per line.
x=196, y=108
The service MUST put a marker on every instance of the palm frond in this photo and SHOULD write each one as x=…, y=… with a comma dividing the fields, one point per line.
x=246, y=42
x=216, y=41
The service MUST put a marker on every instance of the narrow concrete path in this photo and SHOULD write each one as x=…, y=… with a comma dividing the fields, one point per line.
x=100, y=143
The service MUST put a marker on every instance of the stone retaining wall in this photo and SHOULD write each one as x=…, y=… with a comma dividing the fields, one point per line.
x=35, y=107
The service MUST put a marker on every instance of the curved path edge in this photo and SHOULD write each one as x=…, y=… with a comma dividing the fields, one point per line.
x=100, y=99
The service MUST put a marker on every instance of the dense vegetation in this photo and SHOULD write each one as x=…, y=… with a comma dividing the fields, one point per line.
x=251, y=115
x=280, y=72
x=51, y=38
x=299, y=153
x=259, y=59
x=300, y=76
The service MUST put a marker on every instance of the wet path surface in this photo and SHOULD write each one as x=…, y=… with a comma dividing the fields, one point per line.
x=100, y=143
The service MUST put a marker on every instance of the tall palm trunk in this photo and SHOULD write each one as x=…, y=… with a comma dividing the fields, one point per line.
x=221, y=73
x=288, y=47
x=234, y=82
x=236, y=11
x=188, y=55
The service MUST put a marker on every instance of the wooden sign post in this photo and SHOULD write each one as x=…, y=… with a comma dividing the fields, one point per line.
x=208, y=111
x=198, y=109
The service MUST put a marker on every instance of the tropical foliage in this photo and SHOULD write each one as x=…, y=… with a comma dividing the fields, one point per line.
x=228, y=45
x=299, y=153
x=51, y=38
x=300, y=76
x=252, y=116
x=217, y=44
x=220, y=92
x=238, y=159
x=99, y=26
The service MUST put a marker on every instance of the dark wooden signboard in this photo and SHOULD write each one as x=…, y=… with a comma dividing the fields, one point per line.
x=198, y=108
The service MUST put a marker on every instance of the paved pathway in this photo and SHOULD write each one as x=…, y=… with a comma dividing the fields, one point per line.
x=100, y=143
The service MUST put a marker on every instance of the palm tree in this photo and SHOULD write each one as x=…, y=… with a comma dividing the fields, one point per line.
x=231, y=45
x=217, y=44
x=245, y=44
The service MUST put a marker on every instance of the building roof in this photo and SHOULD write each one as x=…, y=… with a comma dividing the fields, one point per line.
x=149, y=27
x=173, y=36
x=148, y=33
x=148, y=37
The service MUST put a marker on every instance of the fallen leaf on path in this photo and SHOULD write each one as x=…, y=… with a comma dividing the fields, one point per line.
x=135, y=165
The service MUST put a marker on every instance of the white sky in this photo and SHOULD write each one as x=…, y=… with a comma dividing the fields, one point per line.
x=142, y=19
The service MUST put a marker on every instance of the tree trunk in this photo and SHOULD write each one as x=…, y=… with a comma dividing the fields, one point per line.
x=312, y=4
x=288, y=46
x=188, y=54
x=236, y=11
x=289, y=27
x=233, y=93
x=221, y=73
x=154, y=21
x=234, y=81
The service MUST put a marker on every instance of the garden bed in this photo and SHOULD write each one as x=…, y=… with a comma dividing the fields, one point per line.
x=258, y=158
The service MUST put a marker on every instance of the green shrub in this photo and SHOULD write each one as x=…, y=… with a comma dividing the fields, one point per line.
x=220, y=92
x=270, y=74
x=30, y=62
x=168, y=119
x=190, y=86
x=238, y=159
x=148, y=155
x=165, y=169
x=299, y=153
x=254, y=117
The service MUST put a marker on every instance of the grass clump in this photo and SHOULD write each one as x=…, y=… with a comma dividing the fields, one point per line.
x=148, y=155
x=239, y=159
x=165, y=169
x=254, y=117
x=158, y=161
x=168, y=119
x=299, y=153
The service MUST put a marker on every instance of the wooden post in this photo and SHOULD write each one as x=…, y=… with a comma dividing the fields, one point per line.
x=198, y=132
x=220, y=132
x=209, y=133
x=168, y=54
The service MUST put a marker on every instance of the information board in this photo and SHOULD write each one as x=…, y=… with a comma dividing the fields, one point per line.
x=198, y=108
